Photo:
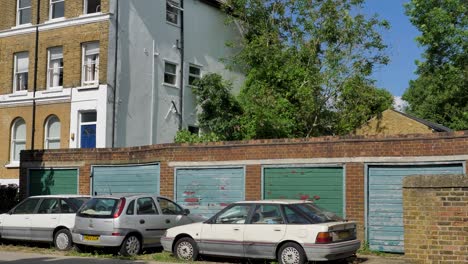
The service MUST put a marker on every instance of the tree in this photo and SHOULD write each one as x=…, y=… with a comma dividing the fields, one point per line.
x=304, y=61
x=440, y=93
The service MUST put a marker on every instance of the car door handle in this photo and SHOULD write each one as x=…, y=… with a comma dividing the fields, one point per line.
x=277, y=229
x=168, y=221
x=236, y=228
x=142, y=221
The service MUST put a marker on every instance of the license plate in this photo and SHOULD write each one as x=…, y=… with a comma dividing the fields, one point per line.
x=344, y=234
x=90, y=238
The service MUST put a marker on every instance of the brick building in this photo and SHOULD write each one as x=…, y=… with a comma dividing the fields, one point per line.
x=102, y=73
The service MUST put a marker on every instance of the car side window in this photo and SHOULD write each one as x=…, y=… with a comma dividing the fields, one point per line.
x=27, y=207
x=131, y=208
x=236, y=214
x=146, y=206
x=49, y=206
x=267, y=214
x=294, y=217
x=66, y=207
x=169, y=207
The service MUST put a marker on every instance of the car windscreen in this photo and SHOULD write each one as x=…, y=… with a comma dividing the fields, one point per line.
x=98, y=208
x=78, y=201
x=314, y=213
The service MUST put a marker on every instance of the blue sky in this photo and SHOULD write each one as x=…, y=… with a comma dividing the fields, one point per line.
x=403, y=49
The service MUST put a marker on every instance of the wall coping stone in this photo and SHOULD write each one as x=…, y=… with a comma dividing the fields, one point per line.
x=435, y=181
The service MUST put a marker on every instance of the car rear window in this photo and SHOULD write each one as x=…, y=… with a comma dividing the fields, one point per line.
x=98, y=208
x=314, y=213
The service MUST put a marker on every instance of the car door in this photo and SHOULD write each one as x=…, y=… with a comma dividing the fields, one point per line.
x=17, y=223
x=44, y=221
x=224, y=234
x=264, y=231
x=149, y=221
x=172, y=212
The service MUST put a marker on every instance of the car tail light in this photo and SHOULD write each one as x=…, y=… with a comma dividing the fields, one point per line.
x=120, y=207
x=323, y=238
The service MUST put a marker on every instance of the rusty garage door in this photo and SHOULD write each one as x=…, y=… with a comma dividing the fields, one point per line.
x=385, y=202
x=305, y=183
x=205, y=191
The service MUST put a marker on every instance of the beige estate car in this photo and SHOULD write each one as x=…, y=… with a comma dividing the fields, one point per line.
x=291, y=231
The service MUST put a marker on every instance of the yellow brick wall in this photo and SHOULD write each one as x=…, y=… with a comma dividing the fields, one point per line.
x=70, y=38
x=9, y=114
x=392, y=123
x=73, y=8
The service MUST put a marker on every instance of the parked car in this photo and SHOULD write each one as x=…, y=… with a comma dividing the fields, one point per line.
x=291, y=231
x=47, y=218
x=129, y=222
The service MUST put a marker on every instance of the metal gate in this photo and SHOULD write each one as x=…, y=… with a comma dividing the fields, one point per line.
x=385, y=202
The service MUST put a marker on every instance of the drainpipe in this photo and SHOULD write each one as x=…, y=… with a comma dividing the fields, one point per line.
x=114, y=103
x=181, y=91
x=36, y=50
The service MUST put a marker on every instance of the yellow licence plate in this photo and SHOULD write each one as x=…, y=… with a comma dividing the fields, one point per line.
x=343, y=234
x=90, y=238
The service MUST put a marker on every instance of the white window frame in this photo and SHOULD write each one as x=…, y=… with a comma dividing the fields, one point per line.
x=16, y=72
x=85, y=8
x=81, y=123
x=51, y=8
x=174, y=74
x=47, y=137
x=95, y=82
x=175, y=5
x=14, y=140
x=49, y=84
x=199, y=67
x=18, y=13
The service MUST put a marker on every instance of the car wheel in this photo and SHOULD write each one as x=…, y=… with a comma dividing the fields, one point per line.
x=63, y=240
x=131, y=246
x=186, y=249
x=291, y=253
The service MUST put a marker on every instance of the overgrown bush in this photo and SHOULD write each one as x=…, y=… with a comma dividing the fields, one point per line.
x=8, y=197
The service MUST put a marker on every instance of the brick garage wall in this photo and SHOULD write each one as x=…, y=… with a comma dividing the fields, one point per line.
x=436, y=218
x=354, y=151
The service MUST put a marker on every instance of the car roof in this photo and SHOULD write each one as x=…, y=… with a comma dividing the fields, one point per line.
x=277, y=201
x=129, y=196
x=60, y=196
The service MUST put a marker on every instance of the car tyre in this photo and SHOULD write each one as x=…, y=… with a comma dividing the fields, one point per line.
x=186, y=249
x=131, y=246
x=63, y=240
x=291, y=253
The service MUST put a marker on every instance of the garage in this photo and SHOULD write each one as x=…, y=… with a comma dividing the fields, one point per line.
x=205, y=191
x=52, y=181
x=385, y=204
x=125, y=179
x=305, y=183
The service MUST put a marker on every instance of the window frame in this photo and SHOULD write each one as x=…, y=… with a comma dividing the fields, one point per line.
x=14, y=140
x=16, y=72
x=137, y=206
x=189, y=74
x=176, y=76
x=47, y=137
x=180, y=210
x=95, y=82
x=174, y=4
x=13, y=211
x=49, y=80
x=85, y=8
x=213, y=220
x=51, y=9
x=18, y=12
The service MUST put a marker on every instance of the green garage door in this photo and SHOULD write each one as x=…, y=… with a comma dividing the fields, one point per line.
x=53, y=181
x=305, y=183
x=125, y=179
x=385, y=202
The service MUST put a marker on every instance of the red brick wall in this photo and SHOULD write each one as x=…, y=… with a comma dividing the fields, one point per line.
x=253, y=152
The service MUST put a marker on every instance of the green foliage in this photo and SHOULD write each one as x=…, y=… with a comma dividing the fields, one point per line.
x=440, y=93
x=185, y=136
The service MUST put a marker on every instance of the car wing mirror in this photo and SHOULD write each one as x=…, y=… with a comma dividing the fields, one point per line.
x=186, y=211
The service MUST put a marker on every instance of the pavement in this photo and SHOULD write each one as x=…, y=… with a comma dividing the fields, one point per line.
x=35, y=258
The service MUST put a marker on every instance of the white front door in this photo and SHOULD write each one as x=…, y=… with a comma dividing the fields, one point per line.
x=225, y=235
x=17, y=223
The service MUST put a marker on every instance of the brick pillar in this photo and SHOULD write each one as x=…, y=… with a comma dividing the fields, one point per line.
x=355, y=196
x=253, y=182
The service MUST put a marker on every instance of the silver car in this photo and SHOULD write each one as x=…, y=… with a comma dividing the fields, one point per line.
x=129, y=222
